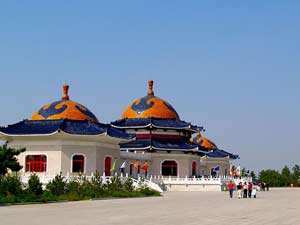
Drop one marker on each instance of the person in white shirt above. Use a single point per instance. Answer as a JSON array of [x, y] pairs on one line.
[[254, 190]]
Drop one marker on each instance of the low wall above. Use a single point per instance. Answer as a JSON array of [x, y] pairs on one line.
[[192, 187], [194, 184]]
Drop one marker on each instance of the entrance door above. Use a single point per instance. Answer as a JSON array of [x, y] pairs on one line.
[[107, 166]]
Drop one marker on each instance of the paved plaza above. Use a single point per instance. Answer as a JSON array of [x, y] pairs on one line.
[[278, 206]]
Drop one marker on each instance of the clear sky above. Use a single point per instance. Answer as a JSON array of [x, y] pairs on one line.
[[230, 66]]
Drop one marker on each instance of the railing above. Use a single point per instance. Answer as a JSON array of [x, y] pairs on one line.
[[155, 182], [197, 180], [137, 183]]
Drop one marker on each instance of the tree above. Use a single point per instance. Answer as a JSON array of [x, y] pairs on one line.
[[252, 174], [272, 177], [8, 159], [286, 177], [34, 185], [296, 175], [57, 186], [243, 172]]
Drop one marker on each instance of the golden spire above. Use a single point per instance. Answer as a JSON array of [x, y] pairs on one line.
[[65, 95], [150, 90]]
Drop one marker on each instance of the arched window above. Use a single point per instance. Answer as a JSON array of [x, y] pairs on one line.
[[169, 168], [78, 164], [194, 168], [107, 166], [36, 163]]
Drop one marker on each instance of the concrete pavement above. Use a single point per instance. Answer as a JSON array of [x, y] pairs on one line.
[[278, 206]]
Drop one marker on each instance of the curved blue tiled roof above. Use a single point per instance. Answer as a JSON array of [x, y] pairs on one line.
[[221, 154], [76, 127], [155, 122], [162, 144]]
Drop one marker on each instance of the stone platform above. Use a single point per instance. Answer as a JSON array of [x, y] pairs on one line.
[[278, 206]]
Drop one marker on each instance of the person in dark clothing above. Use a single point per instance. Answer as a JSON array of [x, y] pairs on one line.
[[263, 186], [267, 186], [245, 187]]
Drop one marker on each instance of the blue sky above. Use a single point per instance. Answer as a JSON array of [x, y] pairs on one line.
[[230, 66]]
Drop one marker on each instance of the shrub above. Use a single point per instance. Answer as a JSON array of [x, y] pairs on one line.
[[34, 185], [57, 186], [73, 186], [115, 184], [147, 192], [97, 185], [86, 189], [10, 185], [128, 185]]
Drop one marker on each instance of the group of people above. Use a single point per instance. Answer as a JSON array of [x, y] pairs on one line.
[[246, 190]]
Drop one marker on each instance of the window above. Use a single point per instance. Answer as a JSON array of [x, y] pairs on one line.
[[139, 169], [225, 172], [194, 168], [169, 168], [78, 164], [35, 163], [107, 166]]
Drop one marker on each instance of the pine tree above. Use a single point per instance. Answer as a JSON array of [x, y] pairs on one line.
[[286, 177], [252, 174], [243, 172], [8, 159], [296, 175]]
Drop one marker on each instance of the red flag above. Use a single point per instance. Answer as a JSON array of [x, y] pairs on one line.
[[144, 167]]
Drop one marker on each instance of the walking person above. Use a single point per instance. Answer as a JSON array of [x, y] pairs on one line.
[[239, 189], [245, 188], [254, 190], [230, 188], [267, 186], [263, 186], [250, 187]]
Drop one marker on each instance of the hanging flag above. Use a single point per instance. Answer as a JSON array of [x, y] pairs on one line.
[[123, 165], [145, 166], [113, 166], [217, 169], [238, 171], [136, 165]]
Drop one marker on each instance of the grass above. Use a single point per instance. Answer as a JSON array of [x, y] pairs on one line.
[[72, 196]]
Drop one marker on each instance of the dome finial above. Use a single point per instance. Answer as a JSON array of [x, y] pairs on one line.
[[150, 90], [65, 95]]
